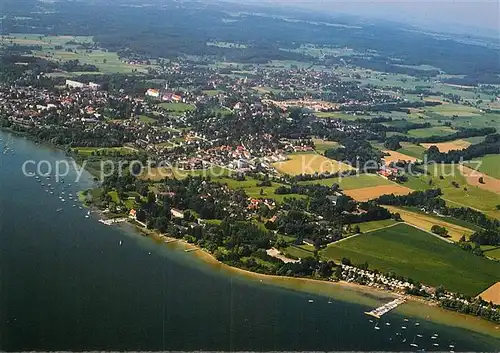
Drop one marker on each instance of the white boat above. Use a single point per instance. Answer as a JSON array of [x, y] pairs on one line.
[[413, 344], [403, 327], [451, 346], [387, 324], [311, 301], [419, 335], [406, 320], [120, 242], [417, 324], [436, 344]]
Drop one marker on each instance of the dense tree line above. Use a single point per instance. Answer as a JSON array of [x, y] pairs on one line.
[[491, 145]]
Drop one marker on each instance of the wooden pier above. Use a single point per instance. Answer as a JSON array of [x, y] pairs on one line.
[[385, 308]]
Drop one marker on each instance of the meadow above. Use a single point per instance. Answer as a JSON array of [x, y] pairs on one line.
[[431, 131], [489, 165], [374, 225], [425, 221], [413, 253], [309, 163], [322, 145], [351, 182], [464, 195], [177, 107], [370, 193]]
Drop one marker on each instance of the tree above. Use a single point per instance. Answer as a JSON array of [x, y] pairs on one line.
[[481, 180], [441, 231], [356, 229]]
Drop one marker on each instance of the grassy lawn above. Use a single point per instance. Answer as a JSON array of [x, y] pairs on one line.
[[114, 197], [431, 131], [146, 119], [177, 107], [410, 252], [474, 196], [297, 252], [490, 165], [309, 163], [352, 182], [322, 145], [211, 92], [373, 225]]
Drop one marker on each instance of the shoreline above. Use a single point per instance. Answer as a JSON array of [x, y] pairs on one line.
[[342, 291]]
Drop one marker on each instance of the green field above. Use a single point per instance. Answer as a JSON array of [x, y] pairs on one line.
[[431, 131], [146, 119], [412, 150], [87, 151], [474, 196], [107, 62], [373, 225], [322, 145], [252, 190], [421, 256], [455, 109], [337, 115], [491, 251], [351, 182], [177, 107], [490, 165]]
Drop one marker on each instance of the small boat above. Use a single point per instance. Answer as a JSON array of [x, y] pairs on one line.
[[311, 301], [52, 192], [413, 344], [329, 302], [63, 200], [404, 340], [417, 324], [403, 327], [419, 335], [377, 327], [59, 210], [87, 216], [436, 344], [121, 242], [387, 324], [451, 346], [436, 335], [433, 337], [406, 319]]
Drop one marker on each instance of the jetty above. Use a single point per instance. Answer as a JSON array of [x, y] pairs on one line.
[[385, 308], [112, 221]]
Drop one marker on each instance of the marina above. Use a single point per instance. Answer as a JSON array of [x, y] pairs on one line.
[[386, 308]]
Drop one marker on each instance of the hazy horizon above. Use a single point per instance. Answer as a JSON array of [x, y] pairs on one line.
[[479, 17]]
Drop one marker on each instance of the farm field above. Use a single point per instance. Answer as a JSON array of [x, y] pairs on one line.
[[448, 146], [492, 294], [336, 115], [309, 163], [451, 109], [426, 222], [107, 62], [412, 150], [491, 251], [431, 131], [473, 196], [490, 165], [394, 156], [146, 119], [374, 225], [488, 183], [252, 190], [370, 193], [351, 182], [413, 253]]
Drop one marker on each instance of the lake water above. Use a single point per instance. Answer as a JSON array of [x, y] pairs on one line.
[[66, 283]]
